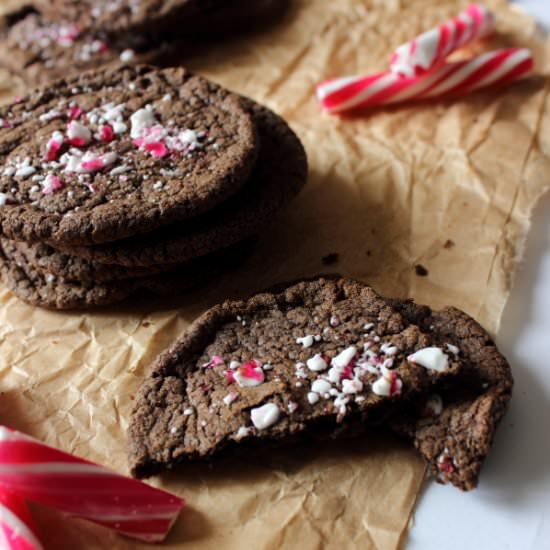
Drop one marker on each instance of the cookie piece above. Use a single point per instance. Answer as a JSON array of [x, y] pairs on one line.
[[40, 50], [67, 268], [454, 429], [46, 290], [280, 366], [279, 175], [119, 152]]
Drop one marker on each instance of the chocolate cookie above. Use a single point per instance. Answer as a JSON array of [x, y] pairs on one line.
[[156, 18], [39, 288], [67, 268], [454, 429], [309, 360], [278, 176], [116, 153], [40, 50]]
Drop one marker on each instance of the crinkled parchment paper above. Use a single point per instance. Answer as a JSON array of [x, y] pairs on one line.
[[449, 185]]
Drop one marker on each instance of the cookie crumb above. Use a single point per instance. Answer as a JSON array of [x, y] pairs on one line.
[[421, 271], [449, 244]]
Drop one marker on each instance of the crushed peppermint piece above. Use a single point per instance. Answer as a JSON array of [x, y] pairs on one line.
[[388, 385], [25, 171], [78, 134], [140, 121], [265, 416], [9, 171], [292, 406], [321, 386], [312, 397], [334, 321], [51, 184], [215, 361], [243, 431], [119, 170], [230, 397], [234, 365], [317, 363], [343, 359], [388, 349], [49, 115], [249, 374], [106, 133], [127, 55], [453, 349], [188, 412], [4, 199], [267, 366], [119, 127], [431, 358], [368, 326], [306, 341], [352, 386]]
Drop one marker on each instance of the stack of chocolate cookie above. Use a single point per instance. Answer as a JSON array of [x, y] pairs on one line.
[[120, 180], [49, 39]]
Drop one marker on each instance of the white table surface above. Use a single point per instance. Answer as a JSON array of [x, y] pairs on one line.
[[511, 507]]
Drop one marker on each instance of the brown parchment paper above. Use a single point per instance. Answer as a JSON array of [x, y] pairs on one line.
[[449, 185]]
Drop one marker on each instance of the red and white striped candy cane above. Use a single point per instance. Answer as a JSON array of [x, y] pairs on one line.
[[432, 47], [82, 489], [492, 68], [16, 528]]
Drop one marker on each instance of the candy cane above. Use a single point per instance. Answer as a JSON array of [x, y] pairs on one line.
[[432, 47], [16, 529], [492, 68], [82, 489]]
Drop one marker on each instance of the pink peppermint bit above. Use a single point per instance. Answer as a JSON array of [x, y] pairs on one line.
[[52, 184], [157, 149], [230, 376], [107, 134], [249, 374], [52, 151], [445, 464], [75, 113], [215, 361], [395, 384], [93, 165]]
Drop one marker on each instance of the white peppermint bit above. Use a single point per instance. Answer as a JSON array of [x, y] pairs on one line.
[[352, 386], [78, 131], [25, 171], [229, 398], [119, 127], [292, 406], [141, 120], [453, 349], [306, 341], [312, 397], [317, 363], [188, 412], [265, 416], [321, 386], [343, 358], [430, 358], [382, 387], [3, 199], [234, 365], [127, 55], [243, 431]]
